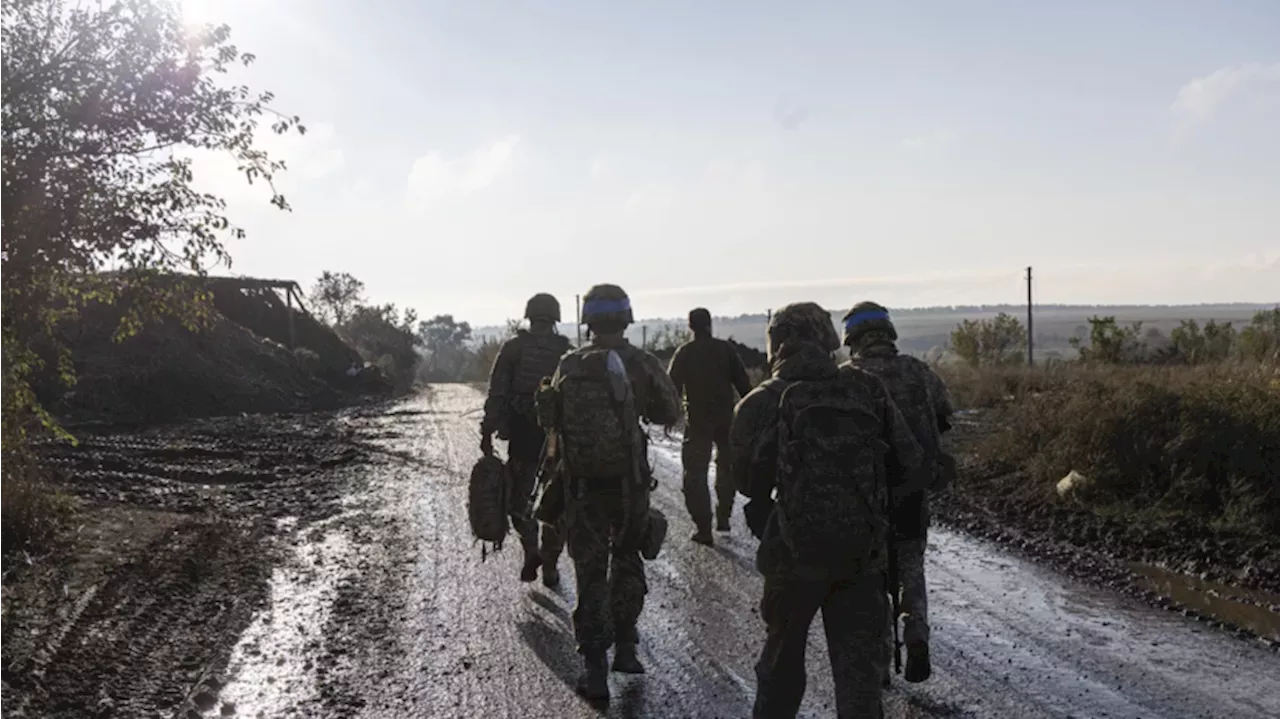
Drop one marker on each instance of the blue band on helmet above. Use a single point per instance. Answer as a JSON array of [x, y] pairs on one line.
[[867, 316], [600, 307]]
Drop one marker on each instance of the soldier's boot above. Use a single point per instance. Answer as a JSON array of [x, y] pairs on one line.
[[593, 683], [722, 521], [918, 668], [532, 560], [550, 576], [625, 659], [703, 536]]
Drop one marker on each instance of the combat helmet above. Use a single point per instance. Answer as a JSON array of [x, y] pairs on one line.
[[542, 306], [606, 304], [865, 319], [803, 321]]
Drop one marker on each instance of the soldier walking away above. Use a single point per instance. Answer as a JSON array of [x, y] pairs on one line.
[[925, 404], [707, 371], [833, 445], [602, 391], [509, 412]]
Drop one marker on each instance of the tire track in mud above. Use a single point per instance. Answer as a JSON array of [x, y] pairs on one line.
[[156, 632]]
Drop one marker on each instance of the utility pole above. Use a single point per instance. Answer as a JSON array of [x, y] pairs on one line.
[[1030, 333], [577, 325], [644, 337], [768, 317]]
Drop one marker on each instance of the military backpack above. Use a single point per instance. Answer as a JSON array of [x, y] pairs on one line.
[[597, 414], [833, 501]]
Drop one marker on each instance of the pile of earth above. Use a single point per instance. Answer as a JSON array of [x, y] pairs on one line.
[[238, 362]]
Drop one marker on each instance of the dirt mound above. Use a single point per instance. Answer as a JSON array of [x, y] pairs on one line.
[[260, 310], [168, 372]]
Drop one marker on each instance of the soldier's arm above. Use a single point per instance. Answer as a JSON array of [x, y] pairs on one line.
[[738, 372], [665, 407], [908, 472], [676, 370], [753, 443], [500, 377], [943, 409]]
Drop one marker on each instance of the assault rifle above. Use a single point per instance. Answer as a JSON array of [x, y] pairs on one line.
[[895, 609]]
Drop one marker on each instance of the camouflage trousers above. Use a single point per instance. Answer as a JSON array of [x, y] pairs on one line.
[[609, 572], [535, 537], [855, 616], [695, 455], [913, 597]]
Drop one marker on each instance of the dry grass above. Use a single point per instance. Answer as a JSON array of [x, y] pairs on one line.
[[1201, 443], [35, 516]]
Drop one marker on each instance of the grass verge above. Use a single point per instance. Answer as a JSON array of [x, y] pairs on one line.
[[35, 516]]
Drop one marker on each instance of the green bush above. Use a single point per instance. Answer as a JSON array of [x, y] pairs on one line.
[[34, 516], [1172, 441]]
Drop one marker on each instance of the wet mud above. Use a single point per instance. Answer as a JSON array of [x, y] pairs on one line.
[[1222, 582], [353, 589]]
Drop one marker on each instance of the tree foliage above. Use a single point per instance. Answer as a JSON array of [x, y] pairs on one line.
[[1110, 343], [103, 104], [384, 335], [336, 296], [1001, 340], [1214, 343], [445, 341], [667, 338], [1260, 341]]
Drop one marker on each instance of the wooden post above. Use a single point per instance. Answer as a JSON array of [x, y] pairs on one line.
[[644, 337], [1030, 334], [288, 303]]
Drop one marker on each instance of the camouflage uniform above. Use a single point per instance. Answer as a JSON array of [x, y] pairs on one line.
[[853, 600], [925, 404], [707, 371], [607, 565], [521, 364]]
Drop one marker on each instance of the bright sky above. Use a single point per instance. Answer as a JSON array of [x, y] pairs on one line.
[[738, 155]]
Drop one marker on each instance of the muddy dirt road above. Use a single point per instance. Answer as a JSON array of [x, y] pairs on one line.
[[381, 607]]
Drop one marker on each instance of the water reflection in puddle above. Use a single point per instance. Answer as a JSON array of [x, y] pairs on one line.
[[1216, 600], [270, 673]]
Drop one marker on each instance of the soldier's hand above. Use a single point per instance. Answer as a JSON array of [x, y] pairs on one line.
[[486, 443]]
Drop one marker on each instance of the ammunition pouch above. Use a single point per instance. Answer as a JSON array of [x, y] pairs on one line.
[[655, 533]]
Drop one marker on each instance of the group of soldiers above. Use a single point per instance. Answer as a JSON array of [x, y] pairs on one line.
[[835, 460]]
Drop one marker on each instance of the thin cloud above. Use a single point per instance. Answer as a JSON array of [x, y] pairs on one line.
[[936, 138], [830, 282], [308, 158], [1200, 99], [433, 177]]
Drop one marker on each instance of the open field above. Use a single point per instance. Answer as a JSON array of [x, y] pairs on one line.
[[922, 330]]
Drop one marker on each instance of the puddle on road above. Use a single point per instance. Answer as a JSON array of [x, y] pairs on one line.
[[1213, 599], [270, 668]]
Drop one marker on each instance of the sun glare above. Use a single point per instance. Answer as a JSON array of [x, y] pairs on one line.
[[198, 13]]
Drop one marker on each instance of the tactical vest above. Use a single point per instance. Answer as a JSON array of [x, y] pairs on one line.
[[539, 356]]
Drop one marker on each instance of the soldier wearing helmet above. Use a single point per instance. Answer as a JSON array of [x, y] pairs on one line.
[[521, 364], [832, 484], [605, 388], [925, 404]]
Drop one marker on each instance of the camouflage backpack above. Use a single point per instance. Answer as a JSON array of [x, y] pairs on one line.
[[833, 497], [597, 416], [487, 501]]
